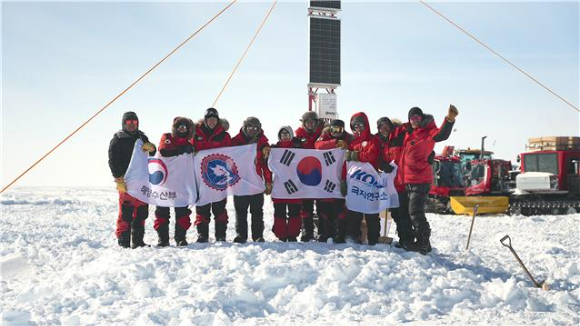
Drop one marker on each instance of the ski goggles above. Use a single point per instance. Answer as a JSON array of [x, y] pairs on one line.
[[336, 129], [416, 118], [358, 125], [182, 127], [131, 121], [252, 128]]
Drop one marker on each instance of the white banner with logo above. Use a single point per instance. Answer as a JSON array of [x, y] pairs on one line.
[[306, 173], [368, 191], [227, 171], [161, 181]]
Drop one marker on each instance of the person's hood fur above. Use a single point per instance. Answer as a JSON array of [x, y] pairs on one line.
[[180, 120]]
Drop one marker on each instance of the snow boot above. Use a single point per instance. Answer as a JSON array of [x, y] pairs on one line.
[[240, 239], [220, 231], [423, 244], [137, 237], [202, 233], [125, 239], [163, 234], [307, 229], [260, 239], [180, 235]]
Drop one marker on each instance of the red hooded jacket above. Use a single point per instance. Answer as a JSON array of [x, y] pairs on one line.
[[261, 165], [206, 138], [392, 150], [367, 145], [170, 143], [417, 147], [308, 139]]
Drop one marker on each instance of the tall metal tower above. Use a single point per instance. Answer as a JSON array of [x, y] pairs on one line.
[[324, 57]]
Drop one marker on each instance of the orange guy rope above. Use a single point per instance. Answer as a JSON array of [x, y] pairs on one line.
[[500, 56], [120, 94], [245, 52]]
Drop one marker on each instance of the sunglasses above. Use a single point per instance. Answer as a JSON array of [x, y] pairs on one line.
[[252, 128], [336, 129], [182, 127], [131, 121], [359, 125], [416, 118]]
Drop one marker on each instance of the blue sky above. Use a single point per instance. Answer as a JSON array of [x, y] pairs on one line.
[[61, 62]]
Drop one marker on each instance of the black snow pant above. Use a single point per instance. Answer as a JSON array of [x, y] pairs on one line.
[[332, 214], [417, 199], [182, 223], [402, 219], [373, 225], [202, 219], [255, 203]]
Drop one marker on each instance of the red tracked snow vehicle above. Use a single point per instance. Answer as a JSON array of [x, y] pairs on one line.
[[549, 183], [448, 181]]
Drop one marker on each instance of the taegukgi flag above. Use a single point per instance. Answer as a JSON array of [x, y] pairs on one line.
[[306, 173], [227, 171], [368, 191], [161, 181]]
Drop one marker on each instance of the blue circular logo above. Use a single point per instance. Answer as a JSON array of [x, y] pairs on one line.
[[219, 171]]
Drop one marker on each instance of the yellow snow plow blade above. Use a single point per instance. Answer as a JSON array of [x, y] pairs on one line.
[[487, 204]]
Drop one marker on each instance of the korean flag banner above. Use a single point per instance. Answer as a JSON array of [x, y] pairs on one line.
[[161, 181], [368, 191], [306, 173], [227, 171]]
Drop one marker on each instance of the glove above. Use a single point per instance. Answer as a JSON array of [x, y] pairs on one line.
[[452, 113], [184, 149], [121, 184], [268, 190], [351, 156], [342, 144], [343, 188], [266, 152], [386, 167], [148, 147]]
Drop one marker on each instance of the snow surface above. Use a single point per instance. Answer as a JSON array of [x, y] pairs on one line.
[[61, 265]]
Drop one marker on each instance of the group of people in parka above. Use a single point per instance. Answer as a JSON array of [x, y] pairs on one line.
[[409, 145]]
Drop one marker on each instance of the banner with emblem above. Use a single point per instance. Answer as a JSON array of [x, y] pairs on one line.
[[227, 171], [161, 181], [368, 191], [306, 173]]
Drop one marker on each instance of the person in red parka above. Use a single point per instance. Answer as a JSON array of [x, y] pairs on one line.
[[391, 138], [251, 133], [417, 172], [210, 133], [333, 136], [287, 221], [308, 133], [178, 142], [365, 147]]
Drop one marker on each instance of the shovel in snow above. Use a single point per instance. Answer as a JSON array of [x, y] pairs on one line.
[[475, 209], [542, 284]]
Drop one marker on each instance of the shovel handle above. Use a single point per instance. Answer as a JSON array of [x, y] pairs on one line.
[[509, 244]]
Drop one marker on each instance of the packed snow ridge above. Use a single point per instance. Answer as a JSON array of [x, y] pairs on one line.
[[61, 265]]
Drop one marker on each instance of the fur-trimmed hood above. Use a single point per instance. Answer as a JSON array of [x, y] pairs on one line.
[[182, 120]]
